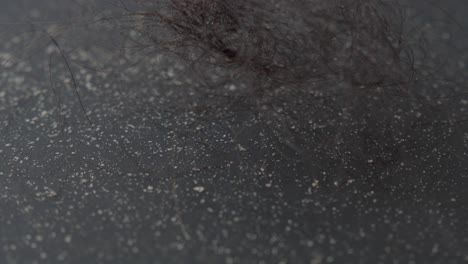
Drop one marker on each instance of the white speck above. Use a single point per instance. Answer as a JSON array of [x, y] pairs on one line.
[[149, 188], [315, 183], [241, 148], [199, 189], [232, 87]]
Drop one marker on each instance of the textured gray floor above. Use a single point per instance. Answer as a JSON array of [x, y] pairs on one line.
[[146, 182]]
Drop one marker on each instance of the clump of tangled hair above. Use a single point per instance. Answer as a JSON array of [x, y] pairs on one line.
[[355, 45]]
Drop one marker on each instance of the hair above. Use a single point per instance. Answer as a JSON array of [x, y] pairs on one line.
[[361, 44]]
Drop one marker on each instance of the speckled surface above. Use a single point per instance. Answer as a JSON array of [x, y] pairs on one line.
[[149, 180]]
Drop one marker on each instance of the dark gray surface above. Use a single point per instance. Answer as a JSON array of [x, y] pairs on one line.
[[151, 180]]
